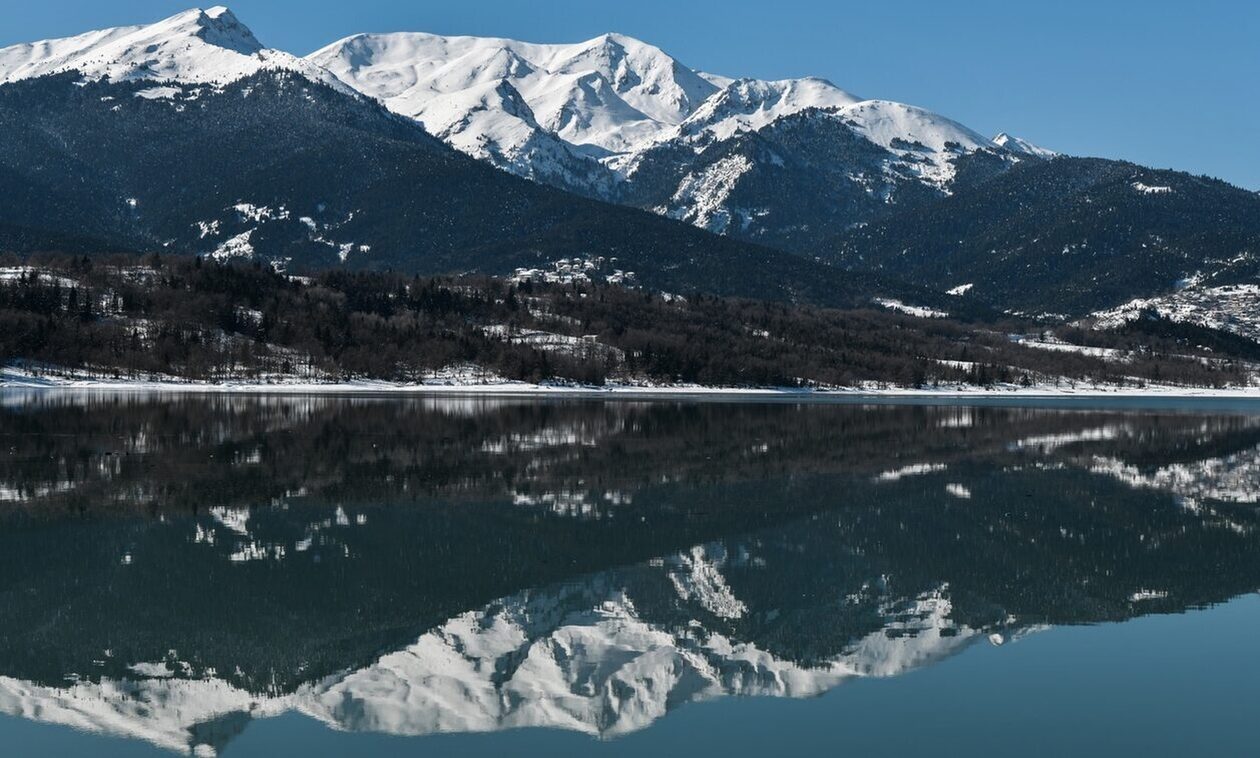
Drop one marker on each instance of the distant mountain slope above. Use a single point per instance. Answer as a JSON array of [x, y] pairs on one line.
[[190, 136], [281, 169], [806, 167], [1069, 236], [807, 177]]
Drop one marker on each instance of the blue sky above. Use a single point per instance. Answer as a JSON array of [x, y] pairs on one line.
[[1167, 84]]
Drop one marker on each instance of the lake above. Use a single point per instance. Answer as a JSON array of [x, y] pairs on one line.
[[387, 576]]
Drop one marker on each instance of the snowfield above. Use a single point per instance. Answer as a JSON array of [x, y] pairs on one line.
[[612, 93]]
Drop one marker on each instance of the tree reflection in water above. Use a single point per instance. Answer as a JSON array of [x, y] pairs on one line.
[[171, 568]]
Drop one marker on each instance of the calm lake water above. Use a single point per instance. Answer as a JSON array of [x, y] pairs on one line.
[[318, 576]]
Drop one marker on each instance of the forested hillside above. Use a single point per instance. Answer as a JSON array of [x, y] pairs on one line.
[[1068, 236], [196, 319]]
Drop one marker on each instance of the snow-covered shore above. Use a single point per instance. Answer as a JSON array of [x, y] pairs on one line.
[[21, 379]]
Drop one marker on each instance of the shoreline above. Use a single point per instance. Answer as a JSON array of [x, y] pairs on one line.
[[14, 381]]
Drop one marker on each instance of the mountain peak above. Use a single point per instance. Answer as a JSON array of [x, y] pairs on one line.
[[607, 94], [617, 39], [218, 26], [195, 46], [1022, 146]]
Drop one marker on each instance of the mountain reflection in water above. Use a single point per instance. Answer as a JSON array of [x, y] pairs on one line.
[[171, 569]]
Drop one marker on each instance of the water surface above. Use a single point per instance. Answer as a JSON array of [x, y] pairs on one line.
[[395, 576]]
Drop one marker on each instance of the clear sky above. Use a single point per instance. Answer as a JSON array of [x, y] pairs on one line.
[[1166, 83]]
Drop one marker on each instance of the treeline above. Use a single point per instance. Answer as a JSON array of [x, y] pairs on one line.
[[198, 319]]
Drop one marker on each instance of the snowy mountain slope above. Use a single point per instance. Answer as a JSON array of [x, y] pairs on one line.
[[492, 122], [194, 47], [910, 131], [748, 105], [611, 97], [587, 117], [606, 95], [810, 176], [620, 120]]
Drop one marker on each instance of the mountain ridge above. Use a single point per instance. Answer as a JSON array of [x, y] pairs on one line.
[[196, 46], [583, 117], [604, 108]]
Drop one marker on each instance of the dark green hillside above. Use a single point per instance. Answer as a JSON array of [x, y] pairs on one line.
[[1070, 236]]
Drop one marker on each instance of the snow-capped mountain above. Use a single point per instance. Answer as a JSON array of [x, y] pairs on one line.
[[800, 165], [590, 116], [194, 47], [612, 118], [546, 112], [608, 95], [493, 122], [248, 153]]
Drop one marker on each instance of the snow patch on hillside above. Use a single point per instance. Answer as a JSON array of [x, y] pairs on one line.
[[1232, 308], [701, 197], [698, 577], [1147, 189], [235, 247], [910, 310]]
